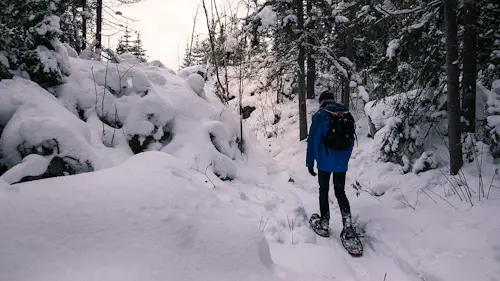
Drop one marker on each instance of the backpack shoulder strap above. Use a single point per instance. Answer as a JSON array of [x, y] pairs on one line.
[[326, 110]]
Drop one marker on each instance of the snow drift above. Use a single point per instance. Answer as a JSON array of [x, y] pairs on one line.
[[150, 218]]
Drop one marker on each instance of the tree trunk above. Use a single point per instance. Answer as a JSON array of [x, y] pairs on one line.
[[311, 62], [84, 25], [98, 32], [347, 81], [76, 33], [301, 74], [453, 87], [469, 67]]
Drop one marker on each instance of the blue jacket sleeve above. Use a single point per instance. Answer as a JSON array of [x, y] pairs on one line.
[[310, 142]]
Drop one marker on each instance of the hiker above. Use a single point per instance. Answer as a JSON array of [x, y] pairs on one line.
[[330, 143]]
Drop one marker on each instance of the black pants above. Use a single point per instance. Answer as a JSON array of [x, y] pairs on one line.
[[339, 188]]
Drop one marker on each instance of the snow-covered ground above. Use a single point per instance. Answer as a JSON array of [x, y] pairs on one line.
[[195, 208]]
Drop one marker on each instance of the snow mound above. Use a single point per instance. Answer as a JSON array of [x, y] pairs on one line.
[[129, 58], [154, 222], [71, 52], [105, 113], [188, 71], [197, 83], [35, 123]]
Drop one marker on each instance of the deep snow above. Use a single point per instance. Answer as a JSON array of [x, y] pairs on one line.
[[150, 218]]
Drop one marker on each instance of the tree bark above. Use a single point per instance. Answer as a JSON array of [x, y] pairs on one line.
[[75, 41], [84, 25], [98, 32], [469, 67], [311, 62], [301, 74], [349, 54], [454, 126]]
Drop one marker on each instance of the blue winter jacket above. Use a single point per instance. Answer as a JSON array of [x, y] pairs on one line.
[[333, 161]]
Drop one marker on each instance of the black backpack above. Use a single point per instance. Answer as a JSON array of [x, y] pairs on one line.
[[341, 131]]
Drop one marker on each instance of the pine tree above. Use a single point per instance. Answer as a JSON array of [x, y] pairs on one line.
[[194, 53], [137, 49], [30, 40], [187, 60], [198, 55], [124, 43]]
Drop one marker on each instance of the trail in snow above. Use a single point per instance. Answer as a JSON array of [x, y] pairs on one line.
[[328, 258]]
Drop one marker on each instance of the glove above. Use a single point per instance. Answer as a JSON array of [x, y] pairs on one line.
[[311, 171]]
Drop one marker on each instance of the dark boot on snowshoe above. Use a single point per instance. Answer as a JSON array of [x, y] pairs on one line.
[[350, 239], [320, 225]]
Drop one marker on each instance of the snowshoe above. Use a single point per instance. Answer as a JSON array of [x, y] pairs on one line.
[[319, 225], [351, 242]]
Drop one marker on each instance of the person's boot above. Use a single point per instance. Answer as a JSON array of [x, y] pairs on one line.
[[348, 231], [320, 225], [324, 225]]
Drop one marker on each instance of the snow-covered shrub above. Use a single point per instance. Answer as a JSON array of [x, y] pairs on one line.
[[426, 162], [406, 122], [35, 123], [30, 41], [148, 124], [123, 80], [493, 118], [221, 140]]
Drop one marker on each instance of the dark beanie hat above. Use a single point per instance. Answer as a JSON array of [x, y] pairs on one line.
[[326, 95]]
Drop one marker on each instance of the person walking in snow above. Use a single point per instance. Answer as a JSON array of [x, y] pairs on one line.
[[330, 144]]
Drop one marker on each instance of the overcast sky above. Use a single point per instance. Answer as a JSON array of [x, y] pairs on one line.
[[165, 27]]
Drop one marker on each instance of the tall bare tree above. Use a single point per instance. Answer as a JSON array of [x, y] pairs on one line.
[[346, 93], [84, 24], [311, 62], [301, 75], [98, 31], [453, 87]]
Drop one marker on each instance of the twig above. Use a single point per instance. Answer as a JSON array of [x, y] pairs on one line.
[[263, 228], [291, 226], [442, 198], [428, 195], [491, 183], [405, 201], [204, 172]]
